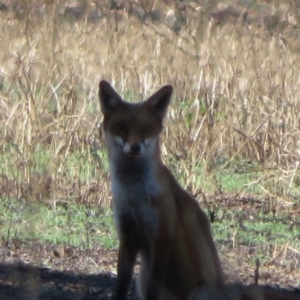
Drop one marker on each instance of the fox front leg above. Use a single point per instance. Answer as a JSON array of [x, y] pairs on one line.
[[126, 259]]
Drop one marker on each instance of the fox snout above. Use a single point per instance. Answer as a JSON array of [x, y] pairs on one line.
[[135, 150], [130, 149]]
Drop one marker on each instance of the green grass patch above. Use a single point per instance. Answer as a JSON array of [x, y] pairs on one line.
[[69, 224], [255, 230]]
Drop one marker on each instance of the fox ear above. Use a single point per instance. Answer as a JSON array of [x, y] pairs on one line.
[[160, 100], [109, 98]]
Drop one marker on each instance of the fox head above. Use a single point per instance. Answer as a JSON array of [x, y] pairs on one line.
[[131, 129]]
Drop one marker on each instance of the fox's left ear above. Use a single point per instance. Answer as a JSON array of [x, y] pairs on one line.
[[109, 98], [160, 100]]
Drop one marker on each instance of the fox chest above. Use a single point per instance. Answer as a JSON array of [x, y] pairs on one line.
[[133, 207]]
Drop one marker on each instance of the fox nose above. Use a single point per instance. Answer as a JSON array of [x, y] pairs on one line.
[[135, 149]]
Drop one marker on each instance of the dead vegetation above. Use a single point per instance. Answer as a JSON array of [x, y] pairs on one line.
[[236, 105], [236, 84]]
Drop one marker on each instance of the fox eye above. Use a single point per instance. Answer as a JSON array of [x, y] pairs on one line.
[[121, 127]]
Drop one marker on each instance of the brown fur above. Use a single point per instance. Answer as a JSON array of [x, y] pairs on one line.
[[155, 217]]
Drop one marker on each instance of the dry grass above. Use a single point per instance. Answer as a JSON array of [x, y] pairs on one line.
[[235, 111], [236, 98]]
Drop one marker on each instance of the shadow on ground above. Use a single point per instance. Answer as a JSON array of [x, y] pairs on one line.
[[19, 281]]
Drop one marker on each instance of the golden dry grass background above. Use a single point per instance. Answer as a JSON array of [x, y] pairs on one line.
[[234, 68], [234, 116]]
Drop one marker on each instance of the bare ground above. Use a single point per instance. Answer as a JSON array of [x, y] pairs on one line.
[[75, 277], [35, 270]]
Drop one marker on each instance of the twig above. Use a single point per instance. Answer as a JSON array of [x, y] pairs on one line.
[[256, 272]]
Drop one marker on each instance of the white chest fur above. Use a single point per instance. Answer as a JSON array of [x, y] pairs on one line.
[[133, 190]]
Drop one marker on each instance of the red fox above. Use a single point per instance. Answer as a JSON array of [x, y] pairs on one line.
[[155, 217]]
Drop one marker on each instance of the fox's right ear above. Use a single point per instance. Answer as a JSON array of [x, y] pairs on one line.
[[109, 98]]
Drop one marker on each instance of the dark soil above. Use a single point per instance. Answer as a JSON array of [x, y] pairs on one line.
[[87, 275], [73, 274]]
